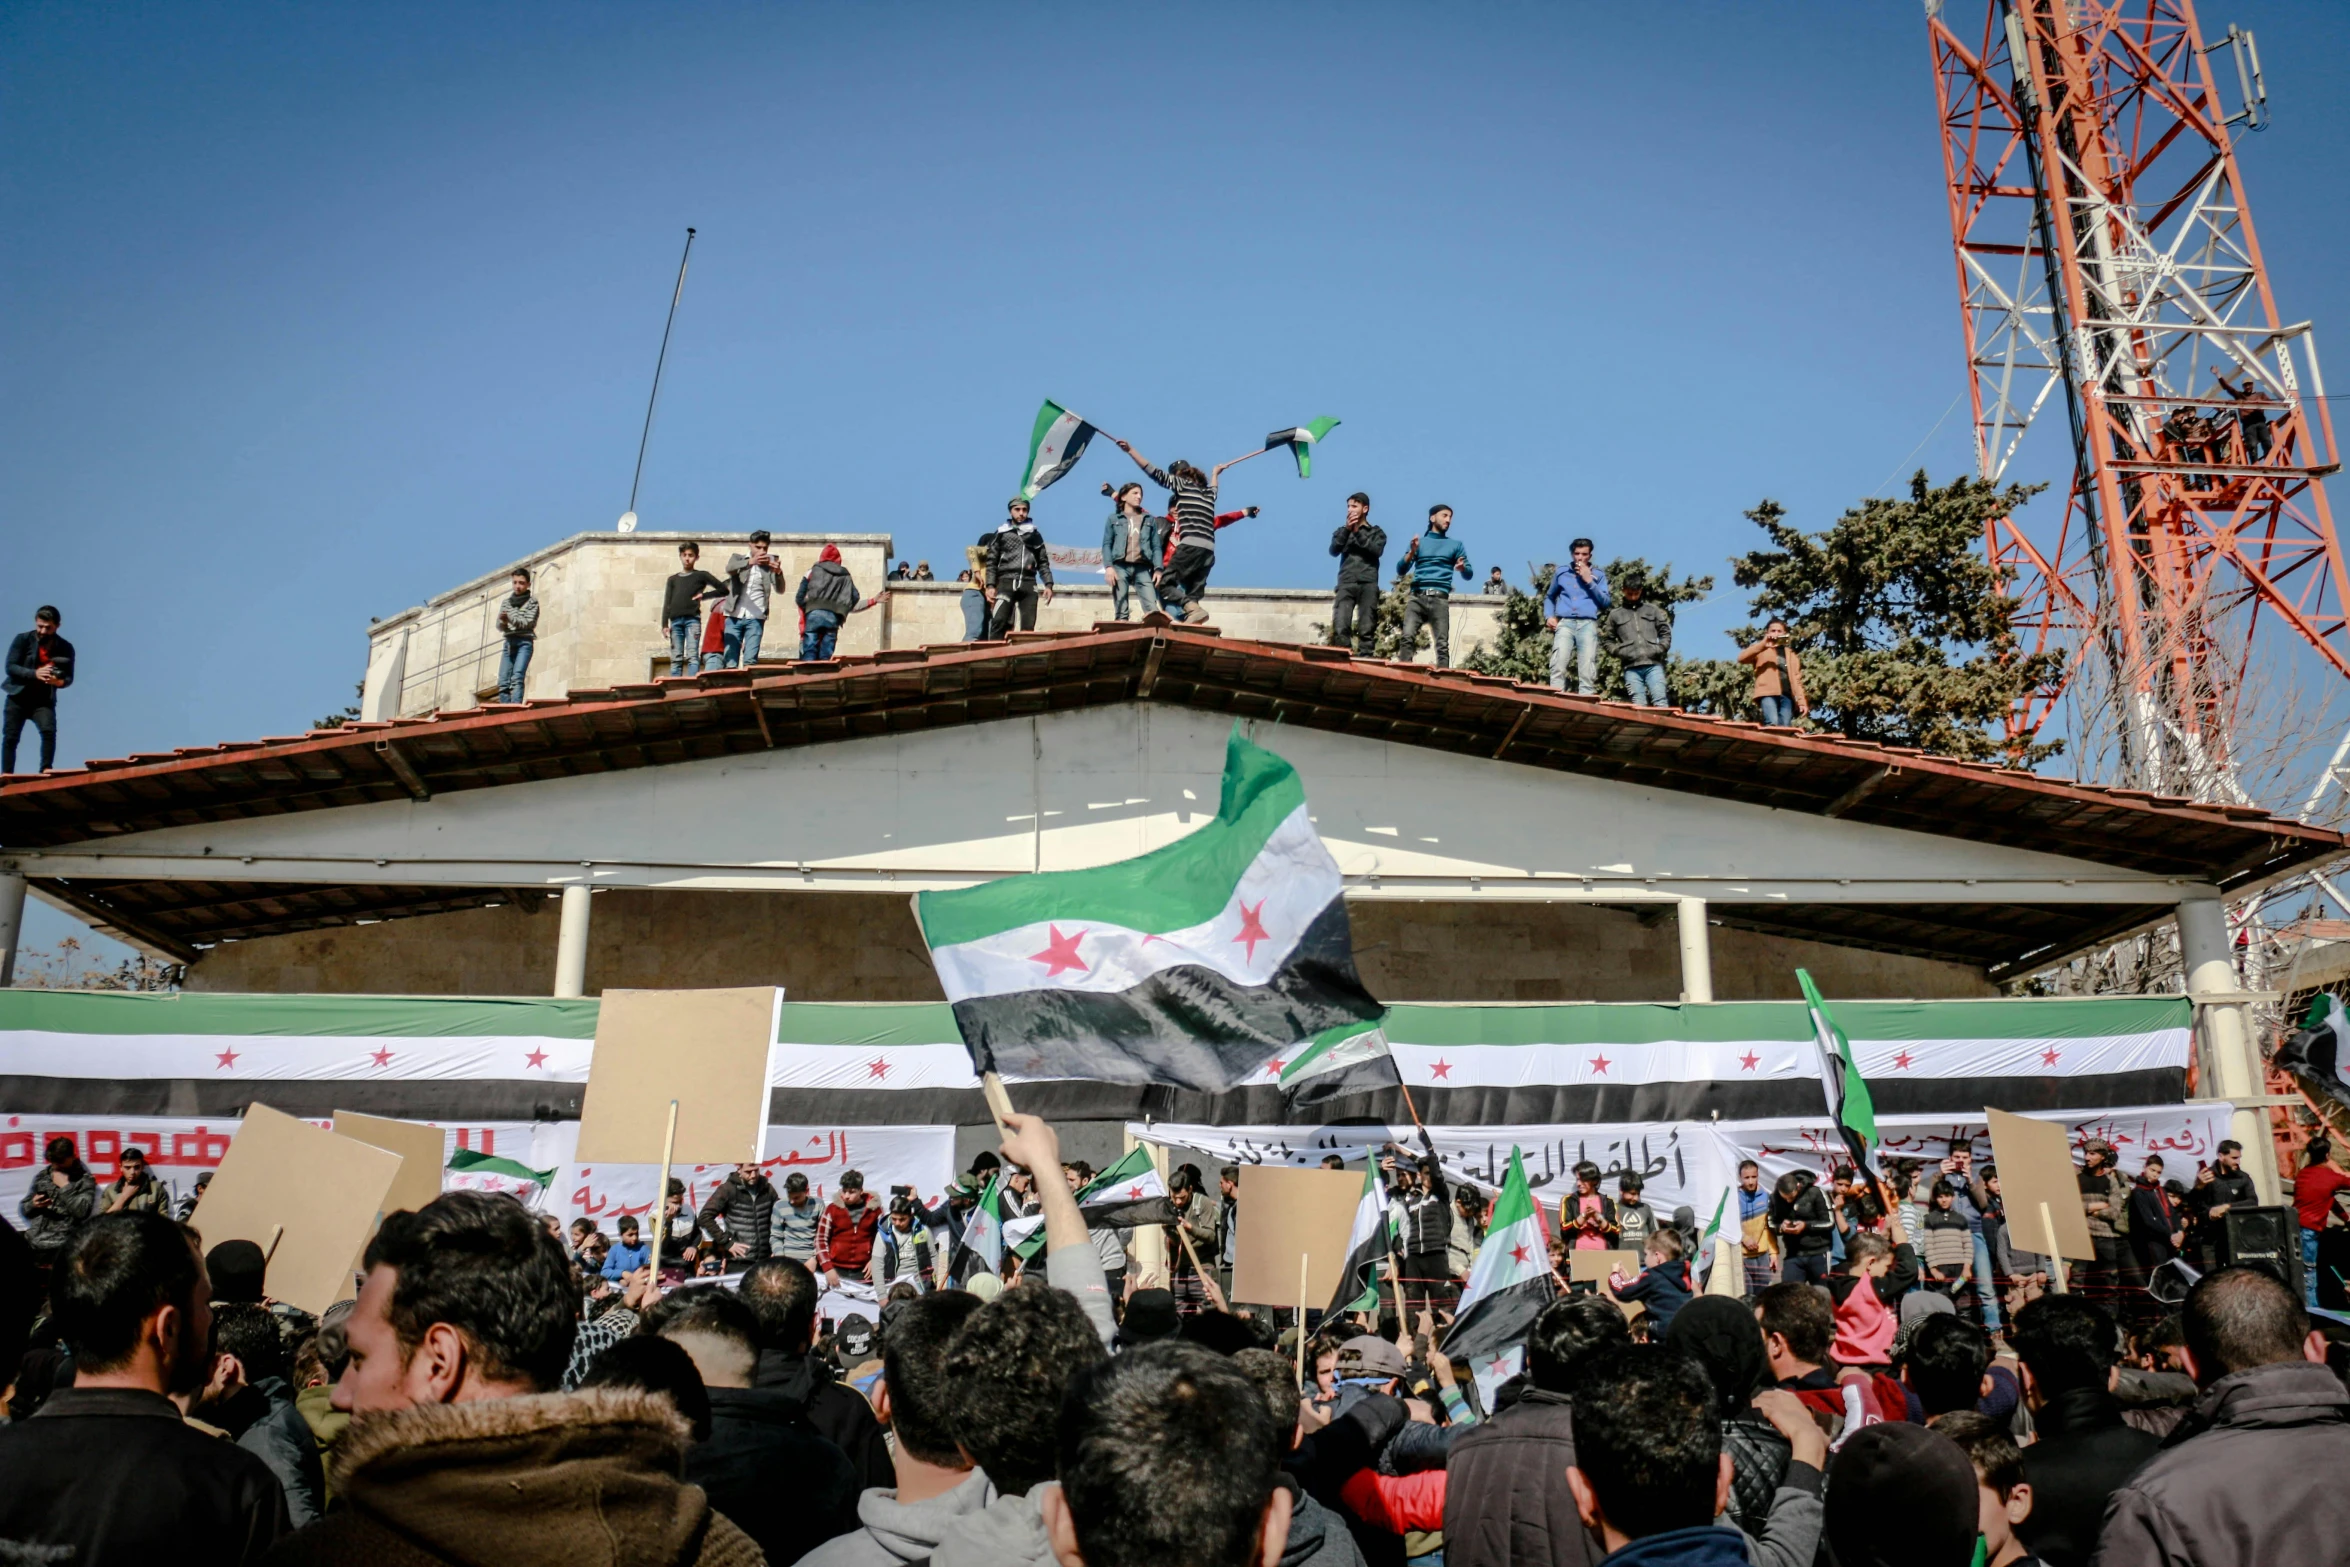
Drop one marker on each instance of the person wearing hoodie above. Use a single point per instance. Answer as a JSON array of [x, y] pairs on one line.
[[827, 597], [1664, 1286], [518, 623], [1318, 1537], [1571, 608], [937, 1485], [457, 1453], [1650, 1476], [2253, 1476], [1636, 1221], [1189, 1424], [782, 1295], [2085, 1450]]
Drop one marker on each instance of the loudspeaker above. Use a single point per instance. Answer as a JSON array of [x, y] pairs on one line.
[[2266, 1237]]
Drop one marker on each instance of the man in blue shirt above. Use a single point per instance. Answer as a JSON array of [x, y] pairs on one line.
[[1571, 609], [1433, 559]]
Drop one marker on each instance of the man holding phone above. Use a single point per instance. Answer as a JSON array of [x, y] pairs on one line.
[[1577, 597]]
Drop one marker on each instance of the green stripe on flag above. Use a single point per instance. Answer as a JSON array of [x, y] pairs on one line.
[[1187, 883], [466, 1161]]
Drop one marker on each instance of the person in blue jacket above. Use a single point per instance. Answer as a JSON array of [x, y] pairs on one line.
[[1433, 559], [1572, 608]]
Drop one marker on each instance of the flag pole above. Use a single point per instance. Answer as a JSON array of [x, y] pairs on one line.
[[999, 1103], [1301, 1321], [661, 1193], [1205, 1277]]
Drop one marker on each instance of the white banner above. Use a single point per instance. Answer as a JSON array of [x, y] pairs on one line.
[[2184, 1135], [1678, 1161]]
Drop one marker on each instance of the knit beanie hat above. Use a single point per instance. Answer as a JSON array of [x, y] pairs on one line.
[[1900, 1495]]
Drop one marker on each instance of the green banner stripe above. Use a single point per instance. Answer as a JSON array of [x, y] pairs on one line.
[[1186, 883], [1640, 1023], [199, 1012]]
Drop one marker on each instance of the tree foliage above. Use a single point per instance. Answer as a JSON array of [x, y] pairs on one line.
[[1521, 649], [1906, 631]]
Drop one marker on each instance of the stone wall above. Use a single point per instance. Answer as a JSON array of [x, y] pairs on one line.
[[864, 947], [600, 606]]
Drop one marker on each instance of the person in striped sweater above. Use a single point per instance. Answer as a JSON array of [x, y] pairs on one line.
[[1192, 506]]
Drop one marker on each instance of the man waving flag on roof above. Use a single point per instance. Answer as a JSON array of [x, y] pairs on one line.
[[1216, 962]]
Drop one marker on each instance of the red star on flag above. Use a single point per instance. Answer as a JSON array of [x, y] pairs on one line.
[[1517, 1253], [1747, 1061], [1599, 1064], [2048, 1057], [1060, 953], [1252, 928], [380, 1057], [877, 1067], [1273, 1068], [1441, 1068], [227, 1058], [1134, 1192], [1902, 1060], [536, 1058]]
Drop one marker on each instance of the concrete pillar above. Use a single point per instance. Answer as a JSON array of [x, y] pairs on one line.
[[11, 924], [571, 942], [2230, 1061], [1697, 953]]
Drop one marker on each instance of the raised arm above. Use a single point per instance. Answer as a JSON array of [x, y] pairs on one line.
[[1145, 464]]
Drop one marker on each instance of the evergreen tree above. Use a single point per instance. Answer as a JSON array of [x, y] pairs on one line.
[[1906, 631]]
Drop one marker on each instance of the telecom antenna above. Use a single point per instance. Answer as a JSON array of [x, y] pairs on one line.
[[627, 523]]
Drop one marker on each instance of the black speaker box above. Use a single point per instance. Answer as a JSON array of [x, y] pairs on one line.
[[2266, 1237]]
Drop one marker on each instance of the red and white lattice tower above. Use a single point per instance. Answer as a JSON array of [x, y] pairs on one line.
[[2107, 268]]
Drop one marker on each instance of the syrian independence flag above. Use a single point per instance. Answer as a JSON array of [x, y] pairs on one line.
[[1366, 1243], [1352, 1058], [1849, 1104], [1058, 440], [1729, 1267], [467, 1161], [1124, 1196], [983, 1232], [2318, 1054], [1207, 964], [1300, 442], [1510, 1282]]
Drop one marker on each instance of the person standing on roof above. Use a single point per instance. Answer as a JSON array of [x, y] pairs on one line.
[[518, 621], [1577, 597], [1130, 551], [1192, 509], [1640, 634], [1018, 570], [1433, 559], [40, 664], [1358, 543], [1778, 676], [827, 596], [755, 576]]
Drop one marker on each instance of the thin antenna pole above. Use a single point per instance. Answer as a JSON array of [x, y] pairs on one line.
[[654, 401]]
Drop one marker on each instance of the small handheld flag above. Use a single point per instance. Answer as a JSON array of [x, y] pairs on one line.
[[467, 1161], [983, 1232], [1849, 1104], [1366, 1243], [1124, 1196], [1054, 446], [1300, 442], [1352, 1058]]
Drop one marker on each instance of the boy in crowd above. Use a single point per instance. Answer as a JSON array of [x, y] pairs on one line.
[[791, 1229], [682, 598], [1635, 1220], [1433, 560], [844, 1236], [1650, 1476], [2003, 1494], [1571, 608], [135, 1189], [1663, 1287], [628, 1252], [518, 621]]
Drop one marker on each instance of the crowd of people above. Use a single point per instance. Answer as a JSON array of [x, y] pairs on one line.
[[496, 1391]]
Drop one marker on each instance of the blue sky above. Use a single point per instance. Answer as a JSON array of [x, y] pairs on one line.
[[315, 311]]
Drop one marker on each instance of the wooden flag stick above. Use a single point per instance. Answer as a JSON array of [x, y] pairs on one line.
[[661, 1194], [2055, 1261], [1205, 1277], [999, 1103], [1301, 1321]]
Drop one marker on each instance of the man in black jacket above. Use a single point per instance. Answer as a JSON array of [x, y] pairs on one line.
[[2085, 1451], [1424, 1206], [1018, 569], [1358, 543], [782, 1295], [736, 1213], [1506, 1502], [40, 664], [2223, 1186], [107, 1471]]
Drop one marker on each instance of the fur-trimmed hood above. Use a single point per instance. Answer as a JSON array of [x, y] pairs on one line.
[[563, 1479]]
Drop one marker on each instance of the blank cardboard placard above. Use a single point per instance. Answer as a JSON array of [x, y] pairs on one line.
[[2035, 1163], [420, 1148], [1595, 1267], [311, 1194], [709, 1050], [1285, 1213]]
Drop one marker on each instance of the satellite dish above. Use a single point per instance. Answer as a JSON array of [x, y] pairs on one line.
[[627, 522]]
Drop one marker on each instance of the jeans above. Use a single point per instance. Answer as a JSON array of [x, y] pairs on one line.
[[817, 642], [2308, 1262], [742, 643], [1984, 1291], [685, 645], [43, 717], [1779, 710], [1356, 610], [1575, 642], [974, 614], [1646, 682], [1433, 610], [1811, 1268], [1131, 578], [1022, 600], [513, 664]]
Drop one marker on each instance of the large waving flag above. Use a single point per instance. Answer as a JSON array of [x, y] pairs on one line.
[[1207, 964], [1849, 1104], [1124, 1196], [1054, 446], [1509, 1284], [2318, 1054], [1366, 1243], [1301, 441]]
